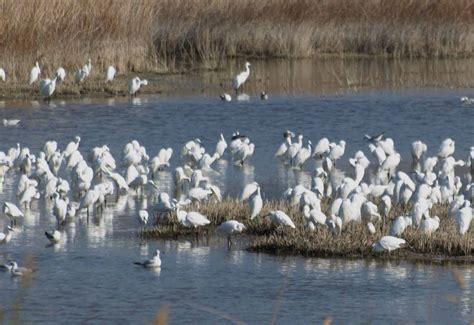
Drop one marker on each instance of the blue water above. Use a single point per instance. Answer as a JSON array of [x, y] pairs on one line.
[[90, 276]]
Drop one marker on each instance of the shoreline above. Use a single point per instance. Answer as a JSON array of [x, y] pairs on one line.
[[291, 77], [445, 245]]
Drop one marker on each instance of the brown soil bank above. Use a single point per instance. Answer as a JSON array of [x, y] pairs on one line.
[[170, 35], [354, 241]]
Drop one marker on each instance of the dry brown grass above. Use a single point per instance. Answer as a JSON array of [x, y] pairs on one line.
[[354, 241], [162, 35]]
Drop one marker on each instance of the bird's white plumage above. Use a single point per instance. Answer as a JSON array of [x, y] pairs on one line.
[[388, 243], [280, 218]]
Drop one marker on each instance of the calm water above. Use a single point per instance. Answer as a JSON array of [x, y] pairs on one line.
[[90, 276]]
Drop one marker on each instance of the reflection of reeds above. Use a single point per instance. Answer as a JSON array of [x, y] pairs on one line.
[[165, 35], [162, 317], [354, 241], [459, 279]]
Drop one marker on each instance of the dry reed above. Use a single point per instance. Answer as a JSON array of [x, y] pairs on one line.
[[168, 35], [354, 241]]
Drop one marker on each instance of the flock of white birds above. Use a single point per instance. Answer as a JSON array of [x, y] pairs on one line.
[[78, 185], [48, 86]]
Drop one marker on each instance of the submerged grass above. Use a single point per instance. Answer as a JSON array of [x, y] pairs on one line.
[[354, 241], [170, 35]]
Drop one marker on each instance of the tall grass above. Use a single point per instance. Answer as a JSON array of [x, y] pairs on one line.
[[162, 35]]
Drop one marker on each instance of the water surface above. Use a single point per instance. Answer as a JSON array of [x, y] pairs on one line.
[[90, 276]]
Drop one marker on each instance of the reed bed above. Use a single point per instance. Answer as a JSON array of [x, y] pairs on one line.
[[354, 241], [175, 35]]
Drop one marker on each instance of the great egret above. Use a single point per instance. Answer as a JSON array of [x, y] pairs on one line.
[[280, 218], [12, 211], [388, 243], [191, 219], [255, 203], [229, 228], [221, 146], [61, 74], [143, 217], [429, 225], [47, 87], [3, 75], [446, 148], [34, 73], [110, 74], [6, 236], [135, 84], [240, 79], [80, 75]]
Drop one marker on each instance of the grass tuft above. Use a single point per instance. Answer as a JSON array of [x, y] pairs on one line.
[[354, 241]]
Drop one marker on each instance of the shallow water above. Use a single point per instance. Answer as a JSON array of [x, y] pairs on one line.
[[90, 276]]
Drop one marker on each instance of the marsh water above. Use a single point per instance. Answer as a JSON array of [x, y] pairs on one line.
[[90, 277]]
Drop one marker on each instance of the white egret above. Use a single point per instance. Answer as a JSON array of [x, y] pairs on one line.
[[463, 218], [192, 218], [385, 205], [87, 68], [165, 204], [240, 79], [110, 74], [280, 218], [229, 228], [143, 217], [3, 75], [388, 243], [369, 212], [80, 75], [337, 151], [135, 84], [244, 152], [293, 150], [301, 157], [6, 236], [399, 225], [47, 87], [248, 190], [61, 74], [255, 203], [34, 74], [288, 135], [321, 148], [370, 228], [429, 225], [221, 146], [72, 146], [12, 211], [314, 215]]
